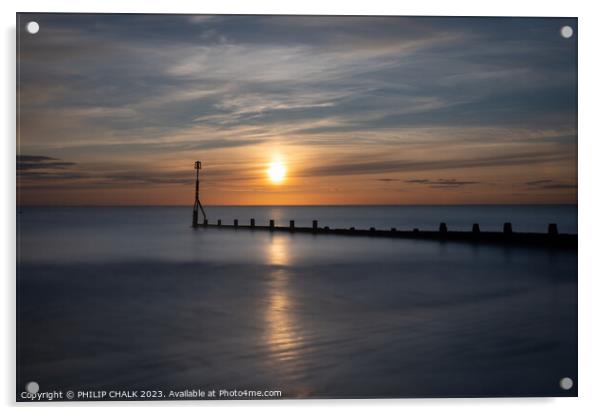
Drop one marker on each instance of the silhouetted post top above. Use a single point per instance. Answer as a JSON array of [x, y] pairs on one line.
[[553, 229], [271, 223], [252, 222], [507, 227], [197, 202], [476, 228], [292, 224], [235, 222], [442, 227], [314, 225], [219, 222]]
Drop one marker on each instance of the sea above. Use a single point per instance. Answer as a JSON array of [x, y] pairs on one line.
[[135, 299]]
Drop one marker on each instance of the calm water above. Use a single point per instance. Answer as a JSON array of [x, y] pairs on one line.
[[135, 298]]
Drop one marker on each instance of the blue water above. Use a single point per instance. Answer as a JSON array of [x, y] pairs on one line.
[[136, 298]]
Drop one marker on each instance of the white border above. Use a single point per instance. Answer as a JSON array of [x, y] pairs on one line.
[[590, 229]]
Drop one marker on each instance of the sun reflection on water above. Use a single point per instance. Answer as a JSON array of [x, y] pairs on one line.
[[278, 250], [282, 327]]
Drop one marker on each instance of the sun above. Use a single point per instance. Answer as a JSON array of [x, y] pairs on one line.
[[276, 172]]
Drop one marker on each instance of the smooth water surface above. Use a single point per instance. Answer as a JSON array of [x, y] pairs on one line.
[[135, 298]]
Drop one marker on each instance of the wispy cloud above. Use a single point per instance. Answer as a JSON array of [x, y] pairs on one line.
[[550, 184], [28, 162], [384, 166], [442, 183], [336, 95]]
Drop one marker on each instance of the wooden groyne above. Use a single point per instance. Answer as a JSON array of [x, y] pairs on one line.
[[506, 237]]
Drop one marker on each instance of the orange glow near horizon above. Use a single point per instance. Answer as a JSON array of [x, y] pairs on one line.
[[307, 175]]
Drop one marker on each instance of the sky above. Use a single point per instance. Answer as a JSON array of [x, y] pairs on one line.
[[115, 109]]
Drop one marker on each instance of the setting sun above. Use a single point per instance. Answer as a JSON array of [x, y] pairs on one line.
[[276, 172]]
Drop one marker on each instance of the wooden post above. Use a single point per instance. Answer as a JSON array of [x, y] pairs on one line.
[[292, 225], [219, 222], [314, 226], [197, 202], [236, 223], [393, 229], [552, 229], [442, 227], [507, 228], [352, 228], [205, 222], [476, 228], [252, 223], [271, 224], [372, 229]]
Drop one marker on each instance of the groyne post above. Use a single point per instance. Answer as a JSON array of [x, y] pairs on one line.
[[506, 236], [197, 202]]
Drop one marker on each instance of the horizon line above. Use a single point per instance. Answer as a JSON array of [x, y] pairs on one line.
[[293, 205]]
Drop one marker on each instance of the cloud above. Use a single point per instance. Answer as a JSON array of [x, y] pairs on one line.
[[400, 72], [378, 95], [28, 178], [29, 162], [550, 184], [384, 166], [36, 171], [442, 183], [203, 18], [24, 158]]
